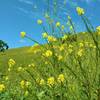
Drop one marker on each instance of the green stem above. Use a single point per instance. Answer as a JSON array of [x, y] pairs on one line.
[[33, 40]]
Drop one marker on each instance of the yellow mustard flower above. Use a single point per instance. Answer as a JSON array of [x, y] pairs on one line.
[[51, 39], [39, 22], [98, 33], [61, 48], [50, 81], [48, 53], [20, 69], [98, 28], [22, 84], [81, 44], [80, 52], [31, 65], [45, 35], [61, 78], [60, 58], [2, 87], [57, 24], [11, 62], [23, 34], [64, 37], [80, 11], [28, 84], [62, 27], [42, 82]]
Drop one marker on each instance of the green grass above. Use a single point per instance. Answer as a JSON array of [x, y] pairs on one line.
[[81, 74]]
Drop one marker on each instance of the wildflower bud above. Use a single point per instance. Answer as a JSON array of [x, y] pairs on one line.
[[2, 87], [58, 24], [61, 78], [80, 11], [45, 35], [39, 22], [23, 34], [51, 81]]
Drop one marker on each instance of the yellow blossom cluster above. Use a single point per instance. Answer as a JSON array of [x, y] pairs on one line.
[[11, 63], [81, 44], [45, 35], [25, 84], [42, 82], [23, 34], [39, 22], [60, 57], [31, 65], [80, 52], [48, 53], [65, 37], [51, 81], [2, 87], [98, 30], [61, 48], [20, 69], [57, 24], [51, 39], [80, 11], [61, 78]]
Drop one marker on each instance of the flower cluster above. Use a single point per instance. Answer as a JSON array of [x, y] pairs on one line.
[[25, 84], [48, 53], [51, 39], [39, 22], [11, 63], [80, 52], [23, 34], [2, 87], [80, 11], [61, 78], [51, 81], [98, 30], [45, 35], [57, 24]]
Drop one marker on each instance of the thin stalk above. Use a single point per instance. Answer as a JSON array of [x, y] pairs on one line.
[[33, 40]]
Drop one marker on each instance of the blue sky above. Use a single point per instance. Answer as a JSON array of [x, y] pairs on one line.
[[22, 15]]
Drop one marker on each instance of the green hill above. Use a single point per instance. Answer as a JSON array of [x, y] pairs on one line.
[[53, 71]]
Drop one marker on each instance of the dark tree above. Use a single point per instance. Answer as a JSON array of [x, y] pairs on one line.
[[3, 46]]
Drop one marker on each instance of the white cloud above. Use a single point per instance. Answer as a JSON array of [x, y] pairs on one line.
[[26, 1], [88, 1], [22, 10], [21, 41]]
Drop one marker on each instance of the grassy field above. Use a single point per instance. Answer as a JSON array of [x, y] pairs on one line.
[[70, 72]]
